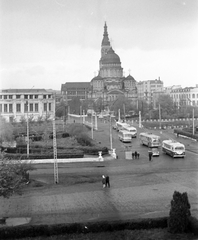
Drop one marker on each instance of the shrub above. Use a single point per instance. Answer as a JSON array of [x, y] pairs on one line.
[[178, 221], [84, 140], [94, 150], [76, 129]]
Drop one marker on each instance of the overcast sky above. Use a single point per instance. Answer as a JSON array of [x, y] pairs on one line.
[[45, 43]]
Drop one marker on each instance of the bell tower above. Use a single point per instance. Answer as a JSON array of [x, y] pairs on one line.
[[105, 46]]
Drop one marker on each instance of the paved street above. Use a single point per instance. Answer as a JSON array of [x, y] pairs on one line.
[[139, 188]]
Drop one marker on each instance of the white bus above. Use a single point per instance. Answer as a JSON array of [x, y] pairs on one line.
[[121, 125], [149, 139], [173, 148], [124, 136], [131, 130]]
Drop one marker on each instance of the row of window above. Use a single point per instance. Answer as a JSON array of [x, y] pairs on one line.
[[26, 96], [184, 95], [32, 107]]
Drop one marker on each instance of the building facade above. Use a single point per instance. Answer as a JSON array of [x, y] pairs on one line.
[[16, 104], [187, 96], [75, 89], [150, 90]]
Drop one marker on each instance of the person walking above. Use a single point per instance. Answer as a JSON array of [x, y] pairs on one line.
[[150, 154], [107, 181], [135, 154], [103, 181]]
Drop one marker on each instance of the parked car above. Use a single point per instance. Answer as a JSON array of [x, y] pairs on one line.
[[155, 152]]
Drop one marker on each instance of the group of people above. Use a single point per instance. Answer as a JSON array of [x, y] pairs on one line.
[[105, 181], [135, 155]]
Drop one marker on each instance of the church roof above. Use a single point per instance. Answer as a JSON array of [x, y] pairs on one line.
[[111, 57], [97, 78], [129, 77]]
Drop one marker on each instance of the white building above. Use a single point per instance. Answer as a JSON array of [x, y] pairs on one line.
[[187, 96], [147, 90], [16, 104]]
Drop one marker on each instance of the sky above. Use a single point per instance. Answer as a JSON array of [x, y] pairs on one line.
[[46, 43]]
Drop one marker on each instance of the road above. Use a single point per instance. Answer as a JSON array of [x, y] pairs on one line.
[[139, 188]]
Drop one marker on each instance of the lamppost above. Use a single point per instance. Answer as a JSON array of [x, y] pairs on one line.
[[55, 144], [28, 138], [110, 133], [160, 118]]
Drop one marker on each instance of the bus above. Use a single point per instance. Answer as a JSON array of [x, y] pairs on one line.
[[131, 130], [173, 148], [124, 136], [121, 125], [149, 139]]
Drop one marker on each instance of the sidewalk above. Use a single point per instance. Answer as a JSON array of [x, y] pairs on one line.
[[117, 202]]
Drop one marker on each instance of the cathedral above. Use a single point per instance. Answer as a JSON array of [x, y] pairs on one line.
[[110, 83]]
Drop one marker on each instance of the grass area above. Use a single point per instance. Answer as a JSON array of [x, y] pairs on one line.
[[151, 234]]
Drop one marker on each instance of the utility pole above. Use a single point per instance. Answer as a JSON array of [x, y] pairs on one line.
[[55, 144], [160, 118], [96, 122], [124, 112], [193, 121], [140, 120], [118, 115], [110, 133], [28, 137], [92, 125]]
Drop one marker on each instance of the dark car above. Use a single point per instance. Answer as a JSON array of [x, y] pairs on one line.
[[155, 152]]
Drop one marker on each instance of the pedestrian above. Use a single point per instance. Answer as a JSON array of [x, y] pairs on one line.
[[103, 181], [135, 154], [107, 181], [150, 154], [138, 155]]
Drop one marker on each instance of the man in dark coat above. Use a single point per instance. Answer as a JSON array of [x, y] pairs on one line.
[[150, 154], [107, 181]]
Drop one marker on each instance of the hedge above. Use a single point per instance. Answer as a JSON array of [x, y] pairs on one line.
[[78, 228], [66, 154], [187, 134]]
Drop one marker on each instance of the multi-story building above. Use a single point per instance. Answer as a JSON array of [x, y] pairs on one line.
[[149, 90], [16, 104], [187, 96], [110, 82], [75, 89]]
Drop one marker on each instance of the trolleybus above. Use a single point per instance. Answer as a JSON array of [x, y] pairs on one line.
[[149, 139], [173, 148], [131, 130], [124, 136]]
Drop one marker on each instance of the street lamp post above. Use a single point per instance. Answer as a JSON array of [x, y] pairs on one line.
[[160, 118], [28, 137], [55, 144], [193, 122], [92, 125], [110, 133], [140, 120]]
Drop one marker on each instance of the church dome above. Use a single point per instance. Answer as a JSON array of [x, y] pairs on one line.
[[129, 77], [111, 57]]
